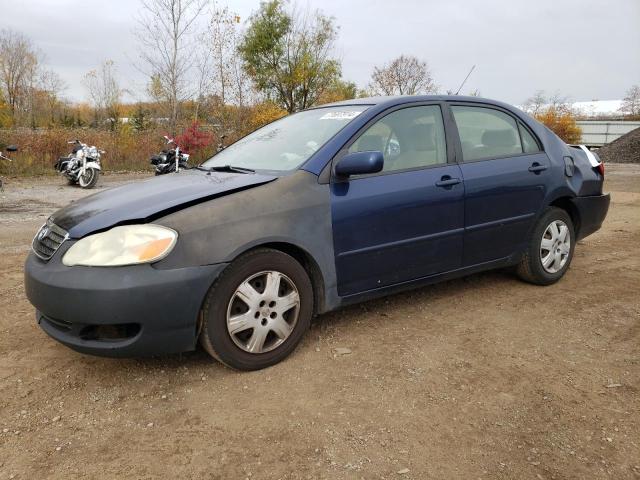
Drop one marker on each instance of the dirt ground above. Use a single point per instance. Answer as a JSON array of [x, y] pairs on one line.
[[482, 377]]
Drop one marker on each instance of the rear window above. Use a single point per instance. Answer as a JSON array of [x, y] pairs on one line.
[[486, 133]]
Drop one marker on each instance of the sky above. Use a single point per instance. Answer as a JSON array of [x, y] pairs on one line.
[[584, 49]]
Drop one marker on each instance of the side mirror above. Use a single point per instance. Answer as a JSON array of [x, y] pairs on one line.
[[360, 163], [11, 148]]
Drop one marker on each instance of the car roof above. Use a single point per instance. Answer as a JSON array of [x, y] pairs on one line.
[[400, 99]]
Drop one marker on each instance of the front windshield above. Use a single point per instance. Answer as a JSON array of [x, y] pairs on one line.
[[286, 143]]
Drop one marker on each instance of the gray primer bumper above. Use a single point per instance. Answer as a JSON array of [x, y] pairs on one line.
[[163, 303]]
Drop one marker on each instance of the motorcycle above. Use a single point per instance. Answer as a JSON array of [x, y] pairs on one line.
[[10, 148], [82, 166], [170, 160]]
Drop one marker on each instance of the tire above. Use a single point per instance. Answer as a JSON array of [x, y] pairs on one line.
[[261, 339], [89, 179], [550, 250]]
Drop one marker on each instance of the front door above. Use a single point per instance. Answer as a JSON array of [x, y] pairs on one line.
[[505, 173], [407, 221]]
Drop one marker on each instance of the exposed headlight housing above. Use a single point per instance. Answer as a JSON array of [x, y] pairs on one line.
[[126, 245]]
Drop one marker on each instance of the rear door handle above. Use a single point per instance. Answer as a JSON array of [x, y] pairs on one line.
[[537, 168], [447, 181]]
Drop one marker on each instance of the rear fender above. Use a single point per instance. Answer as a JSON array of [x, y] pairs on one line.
[[586, 179]]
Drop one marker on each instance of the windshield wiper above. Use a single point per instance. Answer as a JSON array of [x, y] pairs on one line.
[[226, 168]]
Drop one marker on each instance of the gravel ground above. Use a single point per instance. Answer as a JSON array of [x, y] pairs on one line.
[[625, 149], [482, 377]]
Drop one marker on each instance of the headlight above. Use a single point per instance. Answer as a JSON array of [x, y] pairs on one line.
[[126, 245]]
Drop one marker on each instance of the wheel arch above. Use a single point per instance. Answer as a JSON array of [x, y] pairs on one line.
[[566, 203], [307, 261]]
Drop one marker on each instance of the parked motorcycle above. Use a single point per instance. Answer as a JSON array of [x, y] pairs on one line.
[[10, 148], [82, 166], [170, 160]]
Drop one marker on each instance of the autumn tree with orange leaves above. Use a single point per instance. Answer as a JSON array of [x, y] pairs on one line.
[[556, 113]]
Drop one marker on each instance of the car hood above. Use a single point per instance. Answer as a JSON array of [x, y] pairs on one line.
[[149, 199]]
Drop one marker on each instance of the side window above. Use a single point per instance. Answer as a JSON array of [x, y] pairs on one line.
[[486, 133], [408, 138], [529, 143]]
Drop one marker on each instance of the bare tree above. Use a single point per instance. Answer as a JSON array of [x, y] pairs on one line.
[[104, 91], [52, 86], [539, 102], [204, 81], [166, 36], [631, 101], [405, 75], [230, 83], [535, 103], [18, 69], [560, 103]]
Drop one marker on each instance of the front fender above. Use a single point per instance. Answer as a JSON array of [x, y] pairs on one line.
[[293, 209], [95, 165]]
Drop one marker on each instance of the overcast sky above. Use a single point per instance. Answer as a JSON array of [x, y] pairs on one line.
[[586, 49]]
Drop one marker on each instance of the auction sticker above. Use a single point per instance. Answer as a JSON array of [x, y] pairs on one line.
[[340, 115]]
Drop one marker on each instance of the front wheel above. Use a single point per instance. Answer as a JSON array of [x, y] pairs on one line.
[[550, 249], [257, 311], [90, 178]]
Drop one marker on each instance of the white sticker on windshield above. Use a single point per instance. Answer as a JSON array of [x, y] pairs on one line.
[[340, 115]]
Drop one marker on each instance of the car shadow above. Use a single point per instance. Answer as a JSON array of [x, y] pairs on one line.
[[345, 318]]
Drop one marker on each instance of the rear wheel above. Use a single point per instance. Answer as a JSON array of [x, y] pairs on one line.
[[257, 311], [90, 178], [550, 250]]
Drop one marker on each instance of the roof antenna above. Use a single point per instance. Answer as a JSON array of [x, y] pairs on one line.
[[465, 79]]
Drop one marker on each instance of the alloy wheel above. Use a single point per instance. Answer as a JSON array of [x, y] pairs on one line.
[[263, 311], [555, 246]]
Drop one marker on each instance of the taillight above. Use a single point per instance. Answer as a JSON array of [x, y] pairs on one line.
[[600, 168]]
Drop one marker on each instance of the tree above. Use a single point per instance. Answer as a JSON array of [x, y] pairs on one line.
[[288, 54], [538, 103], [52, 86], [534, 104], [18, 71], [221, 41], [5, 113], [167, 48], [556, 113], [104, 91], [562, 122], [222, 80], [339, 90], [631, 102], [140, 119], [405, 75], [263, 113]]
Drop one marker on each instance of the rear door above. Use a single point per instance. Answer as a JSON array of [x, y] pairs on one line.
[[405, 222], [505, 173]]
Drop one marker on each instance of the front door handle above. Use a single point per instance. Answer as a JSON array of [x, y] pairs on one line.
[[447, 181], [537, 168]]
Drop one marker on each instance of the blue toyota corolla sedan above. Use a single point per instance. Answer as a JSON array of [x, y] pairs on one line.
[[323, 208]]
